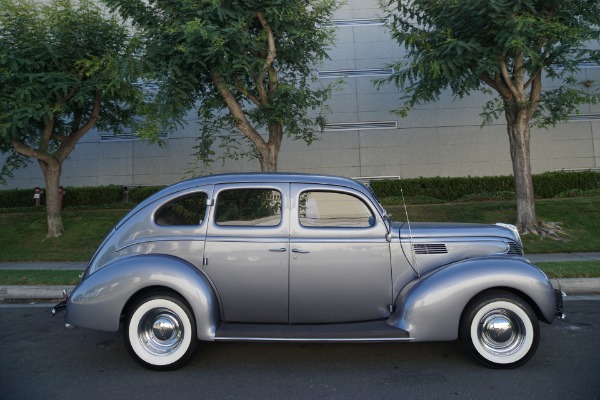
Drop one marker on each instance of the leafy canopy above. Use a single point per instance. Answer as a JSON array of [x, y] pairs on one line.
[[464, 45], [57, 60], [260, 50]]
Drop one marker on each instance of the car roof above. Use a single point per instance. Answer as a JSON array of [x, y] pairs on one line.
[[271, 177]]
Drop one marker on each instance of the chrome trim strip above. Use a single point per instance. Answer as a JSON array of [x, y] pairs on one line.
[[355, 340]]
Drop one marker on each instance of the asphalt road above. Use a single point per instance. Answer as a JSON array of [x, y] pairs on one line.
[[40, 359]]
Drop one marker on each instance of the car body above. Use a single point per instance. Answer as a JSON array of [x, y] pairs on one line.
[[278, 257]]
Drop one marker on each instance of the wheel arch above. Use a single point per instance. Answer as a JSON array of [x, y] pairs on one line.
[[100, 301], [430, 308], [526, 298]]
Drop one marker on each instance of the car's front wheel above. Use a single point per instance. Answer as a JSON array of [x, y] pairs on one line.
[[160, 331], [500, 329]]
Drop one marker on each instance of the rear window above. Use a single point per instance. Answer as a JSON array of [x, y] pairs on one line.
[[248, 207], [185, 210]]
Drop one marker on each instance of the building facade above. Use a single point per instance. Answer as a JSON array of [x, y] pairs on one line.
[[363, 137]]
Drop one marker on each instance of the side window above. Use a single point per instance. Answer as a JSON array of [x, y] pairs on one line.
[[334, 210], [248, 207], [186, 210]]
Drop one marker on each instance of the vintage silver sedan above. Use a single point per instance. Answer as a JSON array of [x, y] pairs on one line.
[[291, 257]]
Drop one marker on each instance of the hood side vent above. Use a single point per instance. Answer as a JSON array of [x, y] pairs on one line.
[[430, 248], [514, 248]]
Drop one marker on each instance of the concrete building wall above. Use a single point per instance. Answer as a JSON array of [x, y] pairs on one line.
[[436, 139]]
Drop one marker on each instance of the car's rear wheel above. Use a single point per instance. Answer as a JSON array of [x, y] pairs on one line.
[[160, 331], [500, 329]]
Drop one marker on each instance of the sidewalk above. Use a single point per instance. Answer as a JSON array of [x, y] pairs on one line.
[[571, 286]]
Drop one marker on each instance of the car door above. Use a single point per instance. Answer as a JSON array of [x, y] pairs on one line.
[[340, 259], [246, 251]]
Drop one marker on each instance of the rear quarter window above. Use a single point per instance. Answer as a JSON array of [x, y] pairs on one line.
[[187, 210]]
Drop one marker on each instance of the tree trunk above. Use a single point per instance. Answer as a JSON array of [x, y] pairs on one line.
[[269, 153], [519, 135], [53, 209], [268, 159]]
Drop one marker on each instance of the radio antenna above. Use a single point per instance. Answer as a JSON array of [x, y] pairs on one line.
[[410, 237]]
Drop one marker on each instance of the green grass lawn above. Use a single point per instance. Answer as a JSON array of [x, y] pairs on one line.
[[39, 277], [23, 235], [579, 217]]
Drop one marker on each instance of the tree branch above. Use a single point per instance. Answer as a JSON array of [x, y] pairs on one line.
[[507, 78], [27, 151], [46, 135], [519, 72], [68, 145], [241, 122], [244, 91], [267, 68], [496, 84], [535, 94]]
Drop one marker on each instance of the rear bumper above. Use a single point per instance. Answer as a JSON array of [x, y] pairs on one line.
[[559, 294]]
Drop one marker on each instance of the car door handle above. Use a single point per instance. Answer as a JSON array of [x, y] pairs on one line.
[[279, 250], [300, 251]]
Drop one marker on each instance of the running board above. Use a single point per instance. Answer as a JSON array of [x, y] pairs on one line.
[[373, 331]]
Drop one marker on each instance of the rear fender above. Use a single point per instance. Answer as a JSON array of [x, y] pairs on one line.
[[99, 300], [430, 307]]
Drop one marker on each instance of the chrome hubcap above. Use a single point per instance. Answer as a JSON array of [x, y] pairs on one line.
[[160, 332], [501, 332]]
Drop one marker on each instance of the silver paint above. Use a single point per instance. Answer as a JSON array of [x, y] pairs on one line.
[[290, 273]]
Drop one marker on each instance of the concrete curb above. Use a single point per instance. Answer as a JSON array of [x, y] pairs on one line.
[[577, 285], [571, 286], [24, 292]]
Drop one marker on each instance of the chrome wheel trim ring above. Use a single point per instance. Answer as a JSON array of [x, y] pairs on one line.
[[175, 352], [501, 332]]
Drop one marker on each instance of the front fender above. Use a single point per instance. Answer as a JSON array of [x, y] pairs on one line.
[[430, 307], [99, 300]]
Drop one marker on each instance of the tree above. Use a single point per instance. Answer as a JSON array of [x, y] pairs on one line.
[[506, 47], [243, 64], [65, 68]]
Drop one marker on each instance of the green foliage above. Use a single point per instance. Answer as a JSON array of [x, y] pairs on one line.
[[58, 59], [503, 45], [547, 185], [92, 196], [16, 198], [73, 197], [245, 65], [138, 194]]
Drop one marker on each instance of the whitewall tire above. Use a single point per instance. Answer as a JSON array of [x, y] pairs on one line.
[[160, 331], [500, 329]]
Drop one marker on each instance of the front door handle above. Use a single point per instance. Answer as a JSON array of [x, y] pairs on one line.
[[279, 250], [300, 251]]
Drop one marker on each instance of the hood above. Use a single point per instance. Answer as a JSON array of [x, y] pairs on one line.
[[432, 245]]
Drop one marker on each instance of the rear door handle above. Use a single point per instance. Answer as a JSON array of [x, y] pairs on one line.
[[279, 250], [300, 251]]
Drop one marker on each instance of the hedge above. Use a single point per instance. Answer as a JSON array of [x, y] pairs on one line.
[[92, 196], [419, 190], [546, 185], [74, 196], [137, 194]]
